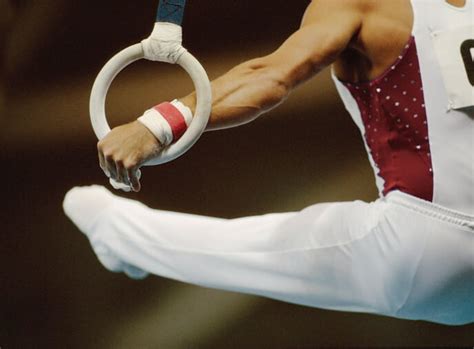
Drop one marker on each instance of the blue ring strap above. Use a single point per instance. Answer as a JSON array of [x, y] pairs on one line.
[[171, 11]]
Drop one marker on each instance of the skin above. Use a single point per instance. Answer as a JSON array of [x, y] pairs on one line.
[[350, 35]]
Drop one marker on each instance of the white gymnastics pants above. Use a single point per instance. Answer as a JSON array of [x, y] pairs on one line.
[[398, 256]]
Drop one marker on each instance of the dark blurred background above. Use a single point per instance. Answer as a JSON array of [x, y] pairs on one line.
[[53, 291]]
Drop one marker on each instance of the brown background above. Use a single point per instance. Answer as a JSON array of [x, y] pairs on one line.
[[54, 293]]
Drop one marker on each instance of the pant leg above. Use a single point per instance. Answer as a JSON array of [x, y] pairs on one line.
[[442, 289], [329, 255]]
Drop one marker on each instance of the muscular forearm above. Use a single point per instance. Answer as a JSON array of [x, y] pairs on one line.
[[244, 93], [256, 86]]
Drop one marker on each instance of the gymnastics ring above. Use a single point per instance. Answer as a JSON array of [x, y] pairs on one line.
[[164, 45]]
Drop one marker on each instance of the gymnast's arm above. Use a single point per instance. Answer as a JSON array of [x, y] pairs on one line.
[[250, 89], [257, 86]]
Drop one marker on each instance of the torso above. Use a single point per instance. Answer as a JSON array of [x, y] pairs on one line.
[[417, 130], [385, 32]]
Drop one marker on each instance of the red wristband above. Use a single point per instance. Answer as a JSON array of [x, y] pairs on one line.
[[174, 118]]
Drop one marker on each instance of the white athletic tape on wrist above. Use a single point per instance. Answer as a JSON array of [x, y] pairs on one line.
[[156, 124], [185, 111], [167, 121]]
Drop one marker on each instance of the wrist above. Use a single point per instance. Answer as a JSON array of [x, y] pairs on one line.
[[167, 121]]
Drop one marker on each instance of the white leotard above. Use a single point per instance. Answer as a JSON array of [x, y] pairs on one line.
[[417, 119]]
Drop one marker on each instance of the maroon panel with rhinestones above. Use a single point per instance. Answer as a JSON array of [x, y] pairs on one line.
[[396, 131]]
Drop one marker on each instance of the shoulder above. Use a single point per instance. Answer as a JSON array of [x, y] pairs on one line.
[[355, 6], [339, 12]]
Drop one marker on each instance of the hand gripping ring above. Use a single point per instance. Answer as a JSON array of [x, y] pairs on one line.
[[188, 63]]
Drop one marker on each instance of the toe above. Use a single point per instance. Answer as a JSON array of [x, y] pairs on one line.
[[83, 205]]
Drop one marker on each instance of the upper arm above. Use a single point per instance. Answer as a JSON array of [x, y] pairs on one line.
[[327, 29]]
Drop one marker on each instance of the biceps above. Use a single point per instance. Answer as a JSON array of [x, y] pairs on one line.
[[317, 44]]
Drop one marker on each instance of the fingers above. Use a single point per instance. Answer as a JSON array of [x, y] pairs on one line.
[[103, 163], [134, 179], [120, 186], [128, 174], [110, 166], [121, 173], [120, 169]]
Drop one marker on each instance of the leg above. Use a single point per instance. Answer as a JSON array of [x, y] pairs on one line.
[[313, 257], [443, 289]]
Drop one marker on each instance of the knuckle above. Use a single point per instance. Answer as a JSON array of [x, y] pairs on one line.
[[137, 156], [130, 164], [108, 156], [103, 145]]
